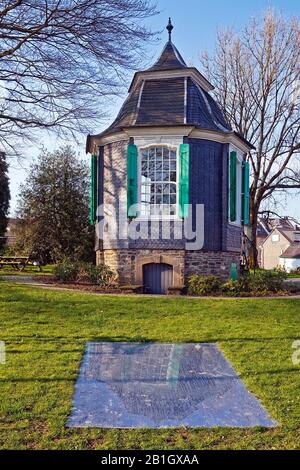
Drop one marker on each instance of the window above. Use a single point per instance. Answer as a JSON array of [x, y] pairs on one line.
[[297, 236], [275, 238], [158, 188], [239, 191], [235, 181]]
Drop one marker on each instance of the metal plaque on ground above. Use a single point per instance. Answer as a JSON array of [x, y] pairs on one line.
[[152, 385]]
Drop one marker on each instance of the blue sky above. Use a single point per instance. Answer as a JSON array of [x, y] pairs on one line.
[[195, 25]]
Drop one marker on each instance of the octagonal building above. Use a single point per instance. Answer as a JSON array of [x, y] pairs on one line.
[[170, 181]]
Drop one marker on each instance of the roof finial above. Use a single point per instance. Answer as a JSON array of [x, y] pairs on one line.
[[169, 28]]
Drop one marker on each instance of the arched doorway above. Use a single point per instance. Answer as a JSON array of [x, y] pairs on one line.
[[157, 278]]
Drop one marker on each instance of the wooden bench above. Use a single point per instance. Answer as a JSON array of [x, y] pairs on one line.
[[17, 262]]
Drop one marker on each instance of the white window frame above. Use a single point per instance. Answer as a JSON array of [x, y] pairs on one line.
[[296, 237], [275, 238], [239, 189], [170, 146]]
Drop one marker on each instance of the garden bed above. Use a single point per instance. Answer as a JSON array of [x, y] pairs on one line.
[[138, 289], [89, 287]]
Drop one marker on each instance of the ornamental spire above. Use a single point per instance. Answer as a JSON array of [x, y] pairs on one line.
[[169, 28]]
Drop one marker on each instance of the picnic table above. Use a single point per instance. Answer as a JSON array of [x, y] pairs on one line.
[[17, 262]]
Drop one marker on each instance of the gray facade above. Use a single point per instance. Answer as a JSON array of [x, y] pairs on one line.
[[168, 105]]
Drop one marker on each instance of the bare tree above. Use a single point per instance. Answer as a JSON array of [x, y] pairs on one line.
[[59, 59], [268, 214], [257, 74]]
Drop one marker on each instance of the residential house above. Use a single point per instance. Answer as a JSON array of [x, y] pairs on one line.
[[290, 258], [265, 227], [281, 248]]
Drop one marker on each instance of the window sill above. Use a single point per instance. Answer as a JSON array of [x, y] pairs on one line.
[[157, 218], [235, 224]]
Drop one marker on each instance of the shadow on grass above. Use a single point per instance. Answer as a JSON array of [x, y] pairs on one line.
[[185, 379], [140, 339]]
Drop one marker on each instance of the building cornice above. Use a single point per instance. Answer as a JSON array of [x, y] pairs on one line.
[[221, 137], [173, 73], [185, 131]]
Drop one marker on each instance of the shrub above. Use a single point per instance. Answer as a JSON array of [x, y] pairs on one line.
[[232, 287], [260, 282], [267, 281], [100, 275], [203, 285], [83, 272], [66, 271]]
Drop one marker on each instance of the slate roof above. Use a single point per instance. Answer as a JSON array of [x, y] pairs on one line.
[[203, 111], [167, 109], [160, 102], [177, 99], [292, 251], [169, 59]]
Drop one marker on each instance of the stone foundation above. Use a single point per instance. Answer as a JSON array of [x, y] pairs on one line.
[[217, 263], [128, 264]]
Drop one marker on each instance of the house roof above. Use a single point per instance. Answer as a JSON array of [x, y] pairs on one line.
[[292, 251], [280, 223], [288, 234], [262, 229], [169, 94], [267, 224], [158, 102], [170, 58]]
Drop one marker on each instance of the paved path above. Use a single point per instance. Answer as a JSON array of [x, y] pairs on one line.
[[19, 279], [29, 280], [294, 280]]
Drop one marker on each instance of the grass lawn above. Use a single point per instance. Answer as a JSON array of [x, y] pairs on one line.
[[289, 275], [45, 333], [28, 271], [293, 276]]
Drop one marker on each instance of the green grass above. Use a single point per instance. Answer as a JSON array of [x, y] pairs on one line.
[[46, 331], [28, 271], [289, 275], [293, 275]]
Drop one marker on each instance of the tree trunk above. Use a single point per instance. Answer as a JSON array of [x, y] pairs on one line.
[[253, 252]]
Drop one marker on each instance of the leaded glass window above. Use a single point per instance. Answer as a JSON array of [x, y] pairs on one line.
[[158, 181]]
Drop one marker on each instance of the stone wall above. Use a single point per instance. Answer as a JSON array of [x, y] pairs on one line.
[[210, 262], [128, 264]]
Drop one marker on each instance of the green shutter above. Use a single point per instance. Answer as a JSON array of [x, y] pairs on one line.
[[132, 175], [245, 193], [93, 200], [233, 187], [184, 157]]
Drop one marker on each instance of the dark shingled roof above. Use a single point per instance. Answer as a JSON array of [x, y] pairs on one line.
[[158, 102], [162, 102], [202, 110], [174, 97], [169, 59], [128, 112], [292, 251]]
